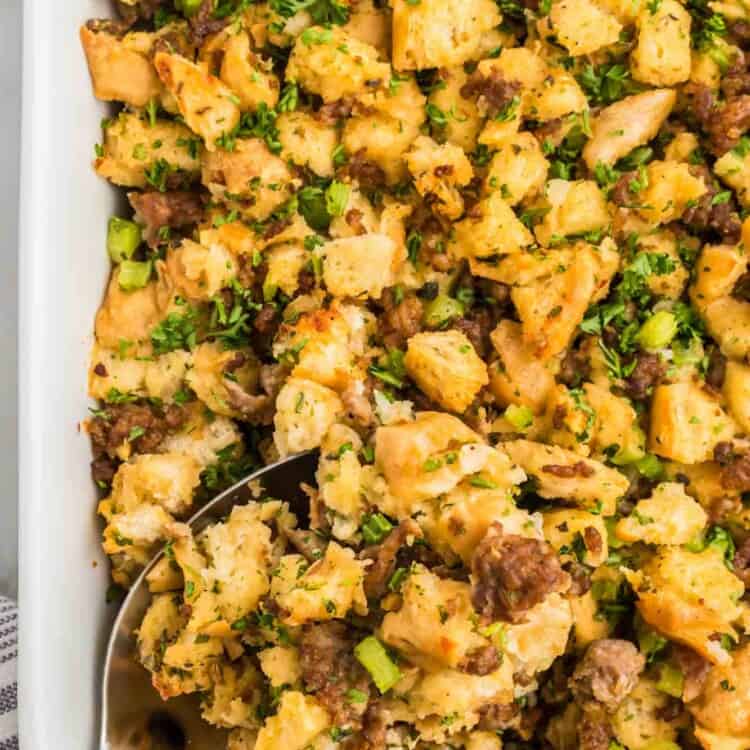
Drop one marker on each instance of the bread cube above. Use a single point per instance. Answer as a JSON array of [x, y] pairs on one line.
[[133, 148], [518, 376], [689, 597], [334, 64], [439, 33], [359, 266], [627, 124], [575, 208], [492, 229], [307, 142], [581, 26], [249, 178], [250, 78], [434, 627], [299, 720], [426, 457], [119, 72], [463, 127], [670, 190], [558, 96], [687, 423], [662, 55], [325, 345], [445, 365], [207, 105], [438, 171], [668, 516], [736, 390], [567, 475], [166, 479], [328, 589], [199, 272], [733, 169], [518, 169], [305, 411], [383, 140]]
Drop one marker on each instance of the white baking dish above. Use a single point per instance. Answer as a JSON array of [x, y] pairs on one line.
[[63, 270]]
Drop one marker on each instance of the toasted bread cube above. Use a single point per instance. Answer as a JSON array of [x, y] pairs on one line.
[[558, 96], [132, 149], [518, 377], [326, 344], [166, 479], [383, 140], [668, 516], [130, 315], [733, 169], [518, 169], [552, 300], [575, 208], [581, 26], [681, 147], [640, 719], [662, 55], [463, 128], [624, 125], [565, 474], [492, 229], [207, 377], [359, 266], [334, 64], [439, 33], [689, 597], [413, 457], [328, 589], [299, 720], [307, 142], [433, 628], [249, 178], [687, 423], [207, 105], [671, 284], [198, 271], [718, 269], [721, 709], [446, 367], [438, 171], [247, 75], [728, 321], [119, 72], [671, 189], [305, 411], [736, 390]]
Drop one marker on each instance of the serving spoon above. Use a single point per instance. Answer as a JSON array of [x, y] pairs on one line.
[[134, 717]]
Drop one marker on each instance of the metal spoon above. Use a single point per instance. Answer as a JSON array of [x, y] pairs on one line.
[[134, 717]]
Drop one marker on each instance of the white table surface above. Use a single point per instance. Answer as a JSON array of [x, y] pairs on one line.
[[10, 113]]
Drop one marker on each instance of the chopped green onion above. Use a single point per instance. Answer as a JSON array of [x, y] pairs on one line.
[[441, 310], [372, 655], [375, 528], [658, 330], [397, 579], [650, 466], [187, 7], [671, 681], [521, 417], [134, 274], [123, 238]]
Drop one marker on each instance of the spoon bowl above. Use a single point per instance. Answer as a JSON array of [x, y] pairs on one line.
[[134, 717]]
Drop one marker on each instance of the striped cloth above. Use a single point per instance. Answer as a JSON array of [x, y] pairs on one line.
[[8, 685]]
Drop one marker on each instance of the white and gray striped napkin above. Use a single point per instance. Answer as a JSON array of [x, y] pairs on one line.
[[8, 684]]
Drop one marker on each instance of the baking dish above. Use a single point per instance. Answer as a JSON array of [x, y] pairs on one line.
[[63, 270]]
